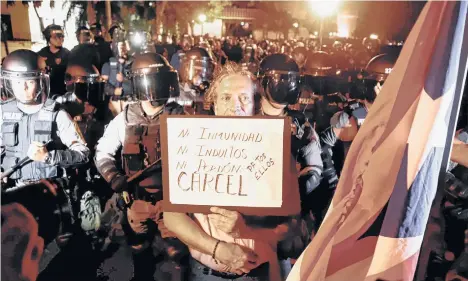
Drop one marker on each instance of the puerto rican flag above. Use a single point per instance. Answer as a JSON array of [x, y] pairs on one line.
[[376, 222]]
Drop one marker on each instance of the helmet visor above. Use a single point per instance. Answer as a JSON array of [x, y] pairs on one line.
[[88, 88], [282, 88], [158, 86], [27, 88], [196, 71]]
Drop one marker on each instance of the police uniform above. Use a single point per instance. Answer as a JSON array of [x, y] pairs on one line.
[[137, 135], [20, 126]]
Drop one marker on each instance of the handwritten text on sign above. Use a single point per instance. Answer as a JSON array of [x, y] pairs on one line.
[[225, 161]]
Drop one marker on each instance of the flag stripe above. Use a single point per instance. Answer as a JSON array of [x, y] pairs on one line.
[[375, 226]]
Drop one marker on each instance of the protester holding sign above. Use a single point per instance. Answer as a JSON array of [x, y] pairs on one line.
[[227, 244]]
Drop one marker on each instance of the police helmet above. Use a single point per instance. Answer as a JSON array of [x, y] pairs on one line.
[[23, 77], [280, 78], [299, 54], [376, 71], [319, 73], [197, 66], [153, 78], [86, 83], [380, 66]]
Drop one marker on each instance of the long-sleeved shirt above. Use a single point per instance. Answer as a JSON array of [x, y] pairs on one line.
[[112, 140]]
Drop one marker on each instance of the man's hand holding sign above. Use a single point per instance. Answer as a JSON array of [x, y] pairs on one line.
[[231, 222]]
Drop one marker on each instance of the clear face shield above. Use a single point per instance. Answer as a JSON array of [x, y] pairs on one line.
[[152, 84], [282, 87], [26, 87], [196, 71]]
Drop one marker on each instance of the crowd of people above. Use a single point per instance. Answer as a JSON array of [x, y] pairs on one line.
[[81, 150]]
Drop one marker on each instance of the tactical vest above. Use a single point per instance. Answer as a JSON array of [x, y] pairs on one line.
[[142, 144], [19, 130], [358, 111]]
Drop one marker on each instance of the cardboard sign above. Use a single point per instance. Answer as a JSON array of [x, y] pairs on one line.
[[238, 163]]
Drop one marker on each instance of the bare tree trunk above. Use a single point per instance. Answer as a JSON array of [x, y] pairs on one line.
[[108, 14], [159, 14], [41, 22], [91, 13]]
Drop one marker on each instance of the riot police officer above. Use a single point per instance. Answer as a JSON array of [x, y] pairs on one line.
[[187, 42], [363, 94], [85, 101], [280, 82], [56, 57], [33, 126], [320, 88], [196, 72], [136, 132], [345, 124]]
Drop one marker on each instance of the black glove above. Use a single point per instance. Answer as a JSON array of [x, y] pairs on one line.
[[119, 183]]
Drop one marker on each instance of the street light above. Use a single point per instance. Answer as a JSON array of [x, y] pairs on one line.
[[202, 19], [323, 9], [296, 25]]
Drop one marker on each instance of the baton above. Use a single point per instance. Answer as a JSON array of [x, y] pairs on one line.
[[21, 163], [135, 177], [18, 165]]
